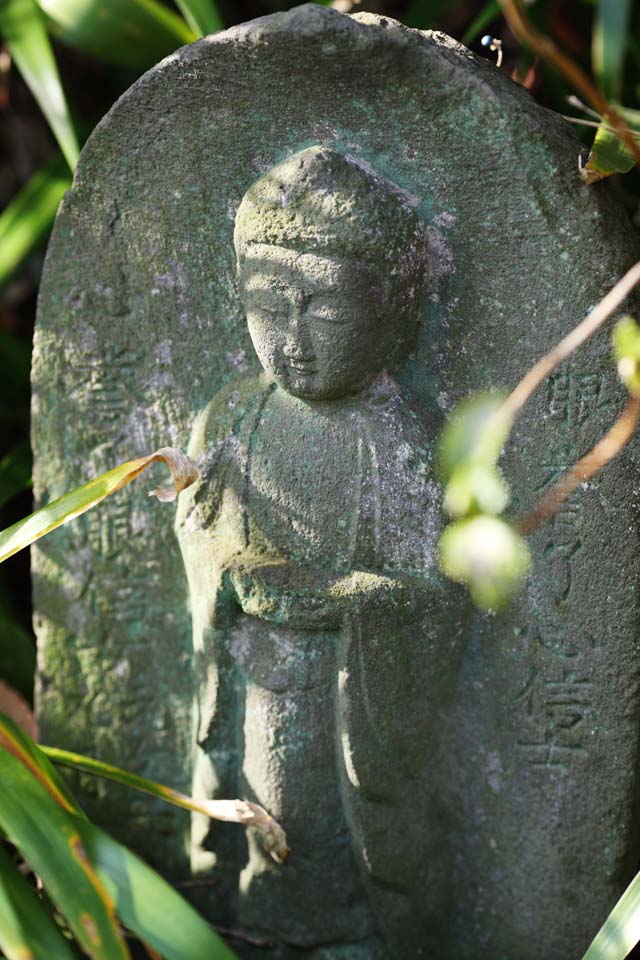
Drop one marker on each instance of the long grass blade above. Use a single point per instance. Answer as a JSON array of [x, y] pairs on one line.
[[78, 501], [231, 811], [609, 43], [621, 930], [148, 906], [51, 840], [29, 216], [131, 33], [26, 929], [16, 742], [22, 25], [202, 16]]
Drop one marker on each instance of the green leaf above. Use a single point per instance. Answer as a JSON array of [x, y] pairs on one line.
[[131, 33], [78, 501], [609, 42], [609, 154], [234, 811], [14, 740], [626, 348], [473, 434], [476, 488], [621, 930], [201, 15], [477, 26], [26, 929], [487, 555], [51, 841], [15, 472], [22, 25], [17, 657], [29, 216], [148, 906]]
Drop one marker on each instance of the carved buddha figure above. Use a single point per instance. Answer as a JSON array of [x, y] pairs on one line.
[[309, 546]]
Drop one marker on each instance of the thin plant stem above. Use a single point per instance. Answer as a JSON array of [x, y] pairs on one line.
[[579, 335], [545, 48], [604, 451]]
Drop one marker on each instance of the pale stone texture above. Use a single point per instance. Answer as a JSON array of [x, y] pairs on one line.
[[532, 824]]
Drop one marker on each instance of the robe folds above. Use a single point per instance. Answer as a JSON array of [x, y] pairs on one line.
[[323, 661]]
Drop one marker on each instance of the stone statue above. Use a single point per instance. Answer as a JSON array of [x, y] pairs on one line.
[[454, 786], [309, 543]]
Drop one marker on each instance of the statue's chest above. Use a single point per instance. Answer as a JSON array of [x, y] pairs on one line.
[[304, 481]]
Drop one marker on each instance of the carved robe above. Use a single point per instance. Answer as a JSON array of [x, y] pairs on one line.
[[309, 544]]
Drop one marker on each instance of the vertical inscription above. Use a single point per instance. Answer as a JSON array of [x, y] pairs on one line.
[[555, 701]]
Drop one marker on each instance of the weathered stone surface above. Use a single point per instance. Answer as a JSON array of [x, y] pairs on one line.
[[523, 824]]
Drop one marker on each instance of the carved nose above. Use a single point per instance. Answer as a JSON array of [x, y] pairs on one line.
[[295, 351]]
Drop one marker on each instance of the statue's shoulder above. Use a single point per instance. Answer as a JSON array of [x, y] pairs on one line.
[[226, 411]]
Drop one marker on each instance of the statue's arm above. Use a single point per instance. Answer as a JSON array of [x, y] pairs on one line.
[[318, 599]]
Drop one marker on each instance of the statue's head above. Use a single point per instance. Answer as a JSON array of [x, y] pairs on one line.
[[332, 266]]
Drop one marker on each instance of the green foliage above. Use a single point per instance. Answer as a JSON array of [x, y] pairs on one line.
[[94, 882], [620, 932], [479, 549], [133, 33], [488, 555], [29, 217], [22, 26], [626, 348], [609, 154], [201, 15], [609, 43]]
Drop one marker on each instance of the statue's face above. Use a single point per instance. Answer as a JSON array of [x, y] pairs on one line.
[[320, 325]]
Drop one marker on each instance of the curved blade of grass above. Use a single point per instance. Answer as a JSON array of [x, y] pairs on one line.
[[148, 906], [78, 501], [201, 15], [609, 42], [22, 25], [28, 218], [233, 811], [131, 33], [621, 930], [51, 841], [26, 929], [15, 741]]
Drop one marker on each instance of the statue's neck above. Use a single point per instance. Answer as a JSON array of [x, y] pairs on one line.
[[380, 389]]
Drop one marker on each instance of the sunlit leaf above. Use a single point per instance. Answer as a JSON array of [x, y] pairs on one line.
[[609, 154], [26, 929], [14, 740], [134, 33], [148, 906], [201, 15], [487, 555], [231, 811], [472, 434], [609, 42], [22, 26], [621, 930], [78, 501], [29, 216], [51, 840]]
